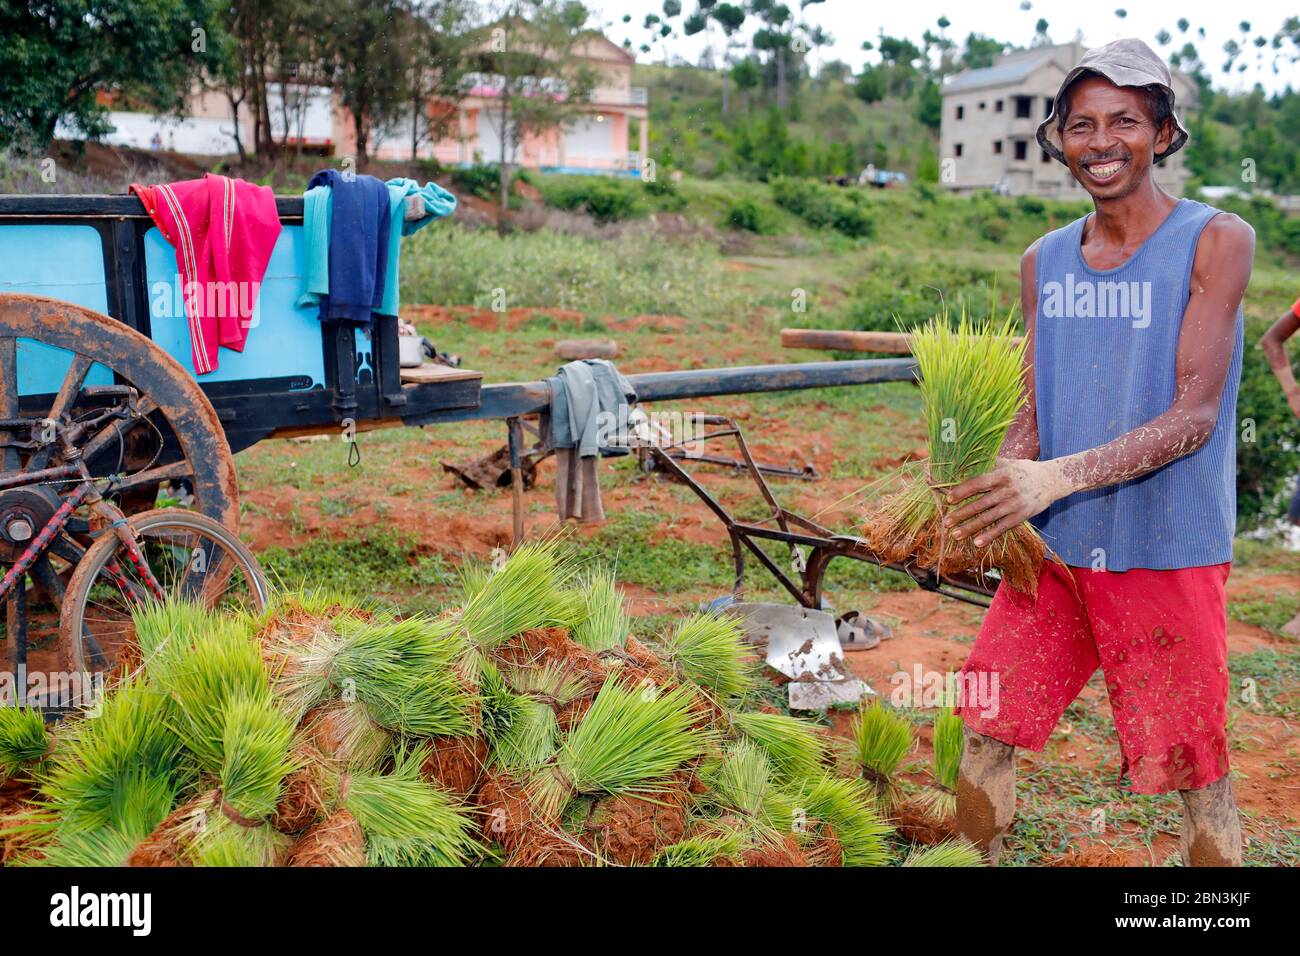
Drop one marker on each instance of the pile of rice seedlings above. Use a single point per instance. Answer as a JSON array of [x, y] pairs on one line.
[[524, 726], [971, 382]]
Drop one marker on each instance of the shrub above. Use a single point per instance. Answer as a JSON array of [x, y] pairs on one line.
[[748, 215], [603, 198], [482, 180], [823, 206]]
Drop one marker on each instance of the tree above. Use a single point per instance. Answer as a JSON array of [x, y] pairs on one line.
[[730, 18], [531, 55], [746, 75], [367, 62], [58, 56], [438, 63]]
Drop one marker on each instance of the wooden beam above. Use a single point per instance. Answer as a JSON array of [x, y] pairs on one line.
[[893, 343]]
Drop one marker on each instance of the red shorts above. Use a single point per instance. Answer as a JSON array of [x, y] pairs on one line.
[[1160, 638]]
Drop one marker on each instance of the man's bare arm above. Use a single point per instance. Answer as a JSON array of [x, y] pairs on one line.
[[1017, 490], [1021, 440], [1273, 344]]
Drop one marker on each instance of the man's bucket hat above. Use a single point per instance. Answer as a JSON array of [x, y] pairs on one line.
[[1127, 62]]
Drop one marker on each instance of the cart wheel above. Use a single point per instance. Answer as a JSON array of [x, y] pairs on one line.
[[175, 439], [192, 557]]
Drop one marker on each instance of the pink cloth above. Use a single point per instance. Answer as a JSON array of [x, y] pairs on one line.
[[223, 231]]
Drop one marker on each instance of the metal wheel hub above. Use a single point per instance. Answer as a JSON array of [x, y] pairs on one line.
[[23, 513]]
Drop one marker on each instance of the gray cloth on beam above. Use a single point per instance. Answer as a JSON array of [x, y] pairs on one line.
[[581, 393], [584, 396]]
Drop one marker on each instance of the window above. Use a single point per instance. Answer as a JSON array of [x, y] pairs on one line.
[[961, 112], [956, 149], [981, 104], [1022, 149], [1047, 157], [1024, 107], [1047, 107], [997, 146], [997, 106]]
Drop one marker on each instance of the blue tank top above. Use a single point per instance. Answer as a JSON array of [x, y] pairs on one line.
[[1105, 353]]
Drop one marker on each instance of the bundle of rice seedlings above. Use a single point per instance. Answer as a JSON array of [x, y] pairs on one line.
[[255, 742], [217, 838], [948, 853], [700, 851], [101, 766], [847, 807], [139, 802], [605, 624], [344, 732], [402, 670], [406, 821], [881, 739], [971, 388], [709, 649], [742, 787], [23, 740], [941, 799], [526, 592], [628, 738], [216, 663], [793, 747]]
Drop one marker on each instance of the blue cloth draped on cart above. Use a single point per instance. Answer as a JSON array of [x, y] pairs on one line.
[[324, 242]]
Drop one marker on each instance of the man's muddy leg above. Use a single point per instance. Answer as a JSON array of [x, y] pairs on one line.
[[986, 793], [1211, 826]]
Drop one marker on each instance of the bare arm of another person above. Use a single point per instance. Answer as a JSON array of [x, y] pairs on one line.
[[1274, 348], [1015, 491], [1021, 440]]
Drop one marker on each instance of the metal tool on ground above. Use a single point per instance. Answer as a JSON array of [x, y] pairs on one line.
[[802, 644]]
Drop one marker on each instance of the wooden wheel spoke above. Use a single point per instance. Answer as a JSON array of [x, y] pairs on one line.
[[178, 469], [9, 461], [111, 432], [63, 403]]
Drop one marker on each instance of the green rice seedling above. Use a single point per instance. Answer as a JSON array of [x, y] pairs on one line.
[[942, 798], [407, 821], [345, 732], [404, 671], [531, 739], [948, 853], [881, 739], [627, 738], [137, 804], [526, 592], [793, 747], [500, 706], [743, 783], [847, 806], [972, 385], [709, 649], [164, 629], [256, 741], [23, 740], [105, 847], [218, 663], [699, 850], [87, 784], [605, 624], [218, 840]]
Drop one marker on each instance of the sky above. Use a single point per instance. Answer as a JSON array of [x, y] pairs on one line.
[[853, 21]]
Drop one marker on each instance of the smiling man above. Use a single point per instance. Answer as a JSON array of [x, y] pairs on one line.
[[1124, 458]]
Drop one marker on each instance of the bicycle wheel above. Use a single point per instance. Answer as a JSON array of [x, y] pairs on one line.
[[193, 558]]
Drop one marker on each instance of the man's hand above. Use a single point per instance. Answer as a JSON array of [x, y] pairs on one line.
[[1014, 491]]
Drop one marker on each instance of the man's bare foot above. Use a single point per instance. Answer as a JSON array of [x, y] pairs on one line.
[[986, 793], [1211, 826]]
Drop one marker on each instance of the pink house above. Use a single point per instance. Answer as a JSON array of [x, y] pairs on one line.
[[600, 141]]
